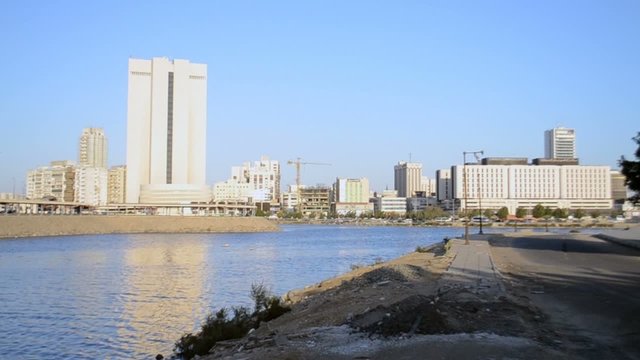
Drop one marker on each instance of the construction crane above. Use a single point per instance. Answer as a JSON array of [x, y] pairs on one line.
[[298, 164]]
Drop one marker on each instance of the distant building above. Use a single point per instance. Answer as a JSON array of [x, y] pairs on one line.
[[55, 181], [289, 199], [559, 162], [117, 185], [93, 148], [421, 203], [444, 185], [618, 188], [315, 200], [166, 132], [560, 143], [428, 186], [407, 178], [351, 195], [389, 202], [91, 185], [513, 186], [504, 161], [257, 182]]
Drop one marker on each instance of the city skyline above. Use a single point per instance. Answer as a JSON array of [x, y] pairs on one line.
[[458, 78]]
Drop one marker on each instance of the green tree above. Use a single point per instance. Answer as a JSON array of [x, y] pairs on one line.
[[560, 213], [488, 213], [538, 211], [579, 214], [260, 212], [631, 171], [521, 212], [503, 213], [595, 214]]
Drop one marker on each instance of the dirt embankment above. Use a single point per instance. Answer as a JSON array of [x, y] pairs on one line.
[[56, 225], [402, 309]]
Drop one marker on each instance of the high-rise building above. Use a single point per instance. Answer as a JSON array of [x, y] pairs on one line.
[[93, 148], [560, 143], [53, 181], [408, 178], [258, 181], [91, 185], [117, 184], [166, 132], [444, 185]]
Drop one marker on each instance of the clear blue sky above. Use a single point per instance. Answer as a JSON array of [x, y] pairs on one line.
[[358, 84]]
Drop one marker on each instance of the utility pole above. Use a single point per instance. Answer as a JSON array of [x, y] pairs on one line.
[[464, 185]]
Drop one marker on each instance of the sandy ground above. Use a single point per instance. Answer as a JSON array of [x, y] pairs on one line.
[[398, 310], [12, 226]]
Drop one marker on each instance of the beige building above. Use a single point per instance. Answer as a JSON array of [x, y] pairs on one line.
[[55, 180], [351, 195], [389, 202], [166, 132], [93, 148], [513, 186], [117, 185], [407, 178]]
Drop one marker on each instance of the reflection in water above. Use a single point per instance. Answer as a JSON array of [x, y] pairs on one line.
[[163, 283]]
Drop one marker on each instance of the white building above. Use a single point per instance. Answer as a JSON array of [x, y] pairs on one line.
[[444, 185], [351, 195], [390, 202], [116, 185], [258, 182], [231, 190], [93, 148], [428, 186], [55, 180], [91, 185], [513, 186], [166, 132], [560, 143], [407, 178]]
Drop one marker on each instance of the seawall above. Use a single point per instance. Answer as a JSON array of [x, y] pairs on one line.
[[59, 225]]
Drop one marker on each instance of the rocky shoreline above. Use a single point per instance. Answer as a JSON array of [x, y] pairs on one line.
[[18, 226]]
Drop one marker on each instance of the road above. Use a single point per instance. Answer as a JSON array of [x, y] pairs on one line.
[[588, 288]]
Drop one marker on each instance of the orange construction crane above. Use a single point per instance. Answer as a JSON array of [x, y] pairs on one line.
[[298, 163]]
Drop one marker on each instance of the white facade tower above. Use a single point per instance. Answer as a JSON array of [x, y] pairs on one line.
[[560, 143], [166, 132]]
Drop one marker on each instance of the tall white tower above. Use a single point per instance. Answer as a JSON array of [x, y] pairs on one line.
[[166, 132], [560, 143], [93, 148]]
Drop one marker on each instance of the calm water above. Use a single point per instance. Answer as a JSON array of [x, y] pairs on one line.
[[133, 296]]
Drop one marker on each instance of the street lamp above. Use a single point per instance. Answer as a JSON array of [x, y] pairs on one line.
[[476, 154]]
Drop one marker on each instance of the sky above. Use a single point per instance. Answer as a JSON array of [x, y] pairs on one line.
[[357, 84]]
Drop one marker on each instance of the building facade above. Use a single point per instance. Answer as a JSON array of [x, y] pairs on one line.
[[55, 181], [91, 185], [389, 202], [93, 148], [560, 143], [117, 180], [444, 185], [513, 186], [407, 178], [351, 196], [166, 132]]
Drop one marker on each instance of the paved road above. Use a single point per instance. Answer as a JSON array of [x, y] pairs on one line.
[[589, 288]]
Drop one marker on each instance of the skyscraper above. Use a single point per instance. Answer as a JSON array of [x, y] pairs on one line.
[[408, 178], [166, 132], [93, 148], [560, 143]]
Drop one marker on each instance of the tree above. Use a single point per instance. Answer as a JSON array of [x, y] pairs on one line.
[[595, 214], [631, 171], [538, 211], [521, 212], [560, 213], [579, 214], [503, 213]]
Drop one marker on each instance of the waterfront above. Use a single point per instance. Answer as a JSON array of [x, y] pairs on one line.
[[132, 296]]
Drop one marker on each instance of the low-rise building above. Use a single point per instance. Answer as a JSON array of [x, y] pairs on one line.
[[389, 202], [55, 181]]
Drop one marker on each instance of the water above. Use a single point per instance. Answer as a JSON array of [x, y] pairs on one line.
[[133, 296]]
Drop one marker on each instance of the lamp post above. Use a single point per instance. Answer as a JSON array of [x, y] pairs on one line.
[[476, 154]]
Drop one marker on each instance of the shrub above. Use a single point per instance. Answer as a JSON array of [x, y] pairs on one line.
[[219, 327]]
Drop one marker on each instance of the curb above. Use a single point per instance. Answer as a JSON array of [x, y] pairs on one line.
[[635, 244]]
